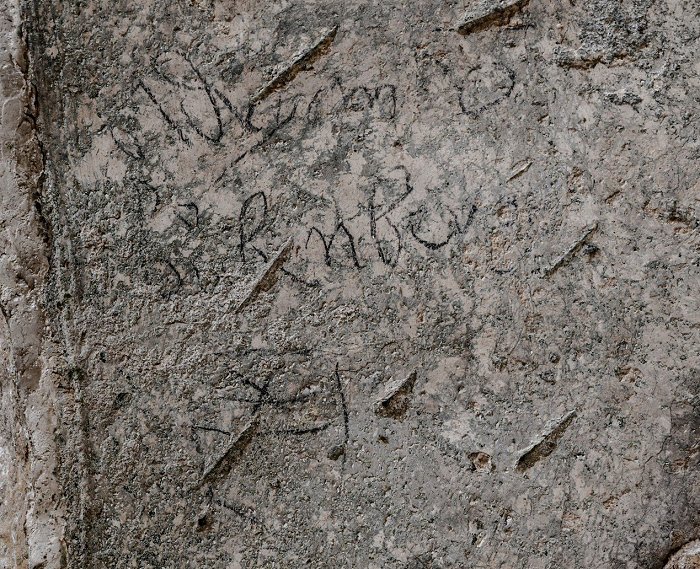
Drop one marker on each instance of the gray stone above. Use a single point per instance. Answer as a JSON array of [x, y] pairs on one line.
[[349, 284]]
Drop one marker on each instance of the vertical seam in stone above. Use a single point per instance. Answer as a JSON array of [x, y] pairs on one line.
[[31, 493]]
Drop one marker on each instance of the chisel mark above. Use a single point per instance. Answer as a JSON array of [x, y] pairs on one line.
[[396, 398], [520, 170], [570, 252], [268, 277], [545, 446], [299, 63], [235, 449], [489, 14]]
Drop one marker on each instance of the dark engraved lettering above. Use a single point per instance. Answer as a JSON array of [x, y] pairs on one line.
[[196, 125], [178, 279], [383, 245], [382, 96], [359, 99], [303, 430], [415, 222], [181, 97], [282, 114], [387, 256], [326, 248], [328, 243], [237, 114], [165, 116], [210, 429], [485, 87], [252, 219], [406, 190], [351, 243], [467, 222]]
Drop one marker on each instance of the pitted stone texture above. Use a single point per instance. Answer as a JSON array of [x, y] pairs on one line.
[[266, 216], [686, 558], [30, 512]]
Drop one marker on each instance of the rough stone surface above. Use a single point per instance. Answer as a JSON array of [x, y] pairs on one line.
[[350, 284], [30, 510], [686, 558]]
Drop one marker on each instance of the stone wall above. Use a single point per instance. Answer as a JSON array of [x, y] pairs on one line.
[[350, 284]]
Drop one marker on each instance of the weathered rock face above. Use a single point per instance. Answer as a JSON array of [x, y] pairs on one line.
[[355, 284], [30, 509], [686, 558]]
